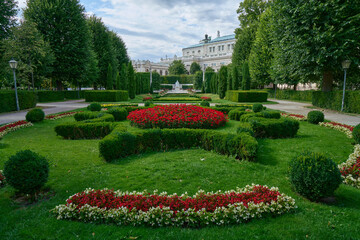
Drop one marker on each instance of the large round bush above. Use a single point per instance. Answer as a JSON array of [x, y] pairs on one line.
[[314, 176], [177, 116], [26, 171], [315, 117], [35, 115], [356, 134], [119, 113], [257, 107], [94, 107]]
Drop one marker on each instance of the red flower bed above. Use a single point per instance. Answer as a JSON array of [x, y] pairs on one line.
[[108, 199], [61, 115], [11, 125], [353, 169], [147, 98], [206, 98], [177, 116], [351, 128]]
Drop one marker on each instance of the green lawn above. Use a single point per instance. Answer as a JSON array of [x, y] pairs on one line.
[[76, 165]]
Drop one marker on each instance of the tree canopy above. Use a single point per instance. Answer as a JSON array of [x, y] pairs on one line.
[[177, 67], [194, 68]]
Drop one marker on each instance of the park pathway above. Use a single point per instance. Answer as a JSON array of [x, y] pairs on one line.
[[49, 108], [302, 108]]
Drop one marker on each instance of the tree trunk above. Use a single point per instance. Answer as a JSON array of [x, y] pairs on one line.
[[327, 82], [295, 86], [59, 85]]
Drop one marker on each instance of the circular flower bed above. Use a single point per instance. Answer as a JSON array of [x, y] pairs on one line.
[[142, 208], [350, 170], [177, 116]]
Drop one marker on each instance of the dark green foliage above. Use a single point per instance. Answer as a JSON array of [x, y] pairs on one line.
[[83, 130], [245, 128], [177, 67], [8, 102], [172, 79], [50, 96], [155, 81], [271, 114], [257, 107], [81, 116], [122, 144], [229, 85], [315, 117], [148, 103], [26, 171], [94, 107], [208, 76], [274, 128], [131, 80], [333, 100], [102, 117], [356, 134], [205, 103], [109, 78], [35, 115], [314, 176], [143, 82], [291, 94], [236, 82], [74, 94], [7, 17], [198, 80], [235, 114], [246, 96], [247, 116], [119, 113], [195, 67], [245, 76], [226, 109], [106, 96], [222, 81]]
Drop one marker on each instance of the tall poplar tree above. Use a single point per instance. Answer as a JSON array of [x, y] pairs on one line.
[[131, 80], [222, 81]]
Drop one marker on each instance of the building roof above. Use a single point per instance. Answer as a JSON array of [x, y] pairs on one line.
[[219, 39]]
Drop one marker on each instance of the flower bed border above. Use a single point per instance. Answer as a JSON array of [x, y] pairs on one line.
[[60, 115], [350, 179], [11, 127], [298, 117], [162, 216], [339, 127]]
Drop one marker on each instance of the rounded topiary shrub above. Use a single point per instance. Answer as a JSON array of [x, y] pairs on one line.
[[356, 134], [148, 103], [315, 117], [257, 107], [119, 113], [314, 176], [35, 115], [26, 171], [94, 107], [205, 103]]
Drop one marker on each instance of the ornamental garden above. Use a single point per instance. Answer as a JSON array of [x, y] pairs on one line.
[[184, 169]]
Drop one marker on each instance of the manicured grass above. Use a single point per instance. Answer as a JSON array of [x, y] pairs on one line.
[[76, 165]]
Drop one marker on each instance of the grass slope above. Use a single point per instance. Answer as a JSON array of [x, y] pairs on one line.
[[76, 165]]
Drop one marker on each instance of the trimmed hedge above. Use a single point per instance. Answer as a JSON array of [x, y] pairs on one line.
[[50, 96], [175, 99], [122, 144], [35, 115], [274, 128], [119, 114], [8, 103], [333, 100], [235, 114], [81, 116], [246, 96], [103, 117], [171, 79], [82, 130], [291, 94], [73, 94], [106, 96], [315, 117]]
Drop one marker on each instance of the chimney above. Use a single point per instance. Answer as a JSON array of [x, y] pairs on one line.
[[206, 36], [218, 33]]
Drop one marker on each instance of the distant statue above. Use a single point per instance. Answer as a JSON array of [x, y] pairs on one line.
[[177, 85]]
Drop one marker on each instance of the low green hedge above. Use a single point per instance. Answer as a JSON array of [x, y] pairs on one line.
[[176, 99], [333, 100], [81, 116], [120, 114], [50, 96], [106, 96], [172, 79], [274, 128], [82, 130], [246, 96], [27, 100], [227, 109], [235, 114], [73, 94], [122, 144], [291, 94]]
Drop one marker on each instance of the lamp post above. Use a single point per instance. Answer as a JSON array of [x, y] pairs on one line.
[[13, 65], [204, 79], [345, 66]]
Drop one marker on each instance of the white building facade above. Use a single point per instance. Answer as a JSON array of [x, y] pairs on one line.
[[208, 53]]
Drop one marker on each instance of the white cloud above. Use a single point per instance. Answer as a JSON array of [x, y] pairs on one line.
[[152, 29]]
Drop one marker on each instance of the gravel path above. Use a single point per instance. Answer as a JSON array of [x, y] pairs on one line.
[[302, 108]]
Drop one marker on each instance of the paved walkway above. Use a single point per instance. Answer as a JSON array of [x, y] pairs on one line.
[[49, 108], [301, 108]]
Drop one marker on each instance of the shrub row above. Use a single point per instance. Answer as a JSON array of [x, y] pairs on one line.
[[106, 96], [174, 99], [291, 94], [8, 103], [49, 96], [172, 79], [333, 100], [274, 128], [246, 96], [122, 144], [82, 130]]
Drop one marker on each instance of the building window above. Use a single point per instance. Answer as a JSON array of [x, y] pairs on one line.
[[210, 48], [222, 63], [228, 46], [214, 64], [199, 51], [219, 48], [187, 53], [193, 52], [222, 47]]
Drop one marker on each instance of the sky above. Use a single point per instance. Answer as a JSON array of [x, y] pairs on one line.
[[154, 29]]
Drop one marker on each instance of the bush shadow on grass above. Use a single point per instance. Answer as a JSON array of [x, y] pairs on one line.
[[347, 197], [265, 155], [4, 145]]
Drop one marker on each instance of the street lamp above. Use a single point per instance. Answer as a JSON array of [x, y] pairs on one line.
[[13, 65], [345, 66], [204, 79]]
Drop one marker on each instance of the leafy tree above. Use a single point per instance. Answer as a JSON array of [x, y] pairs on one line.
[[314, 37], [177, 67], [209, 72], [8, 9], [117, 81], [261, 55], [119, 50], [92, 69], [131, 80], [245, 77], [63, 25], [214, 83], [109, 78], [194, 68], [33, 54], [222, 81], [235, 77], [198, 80]]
